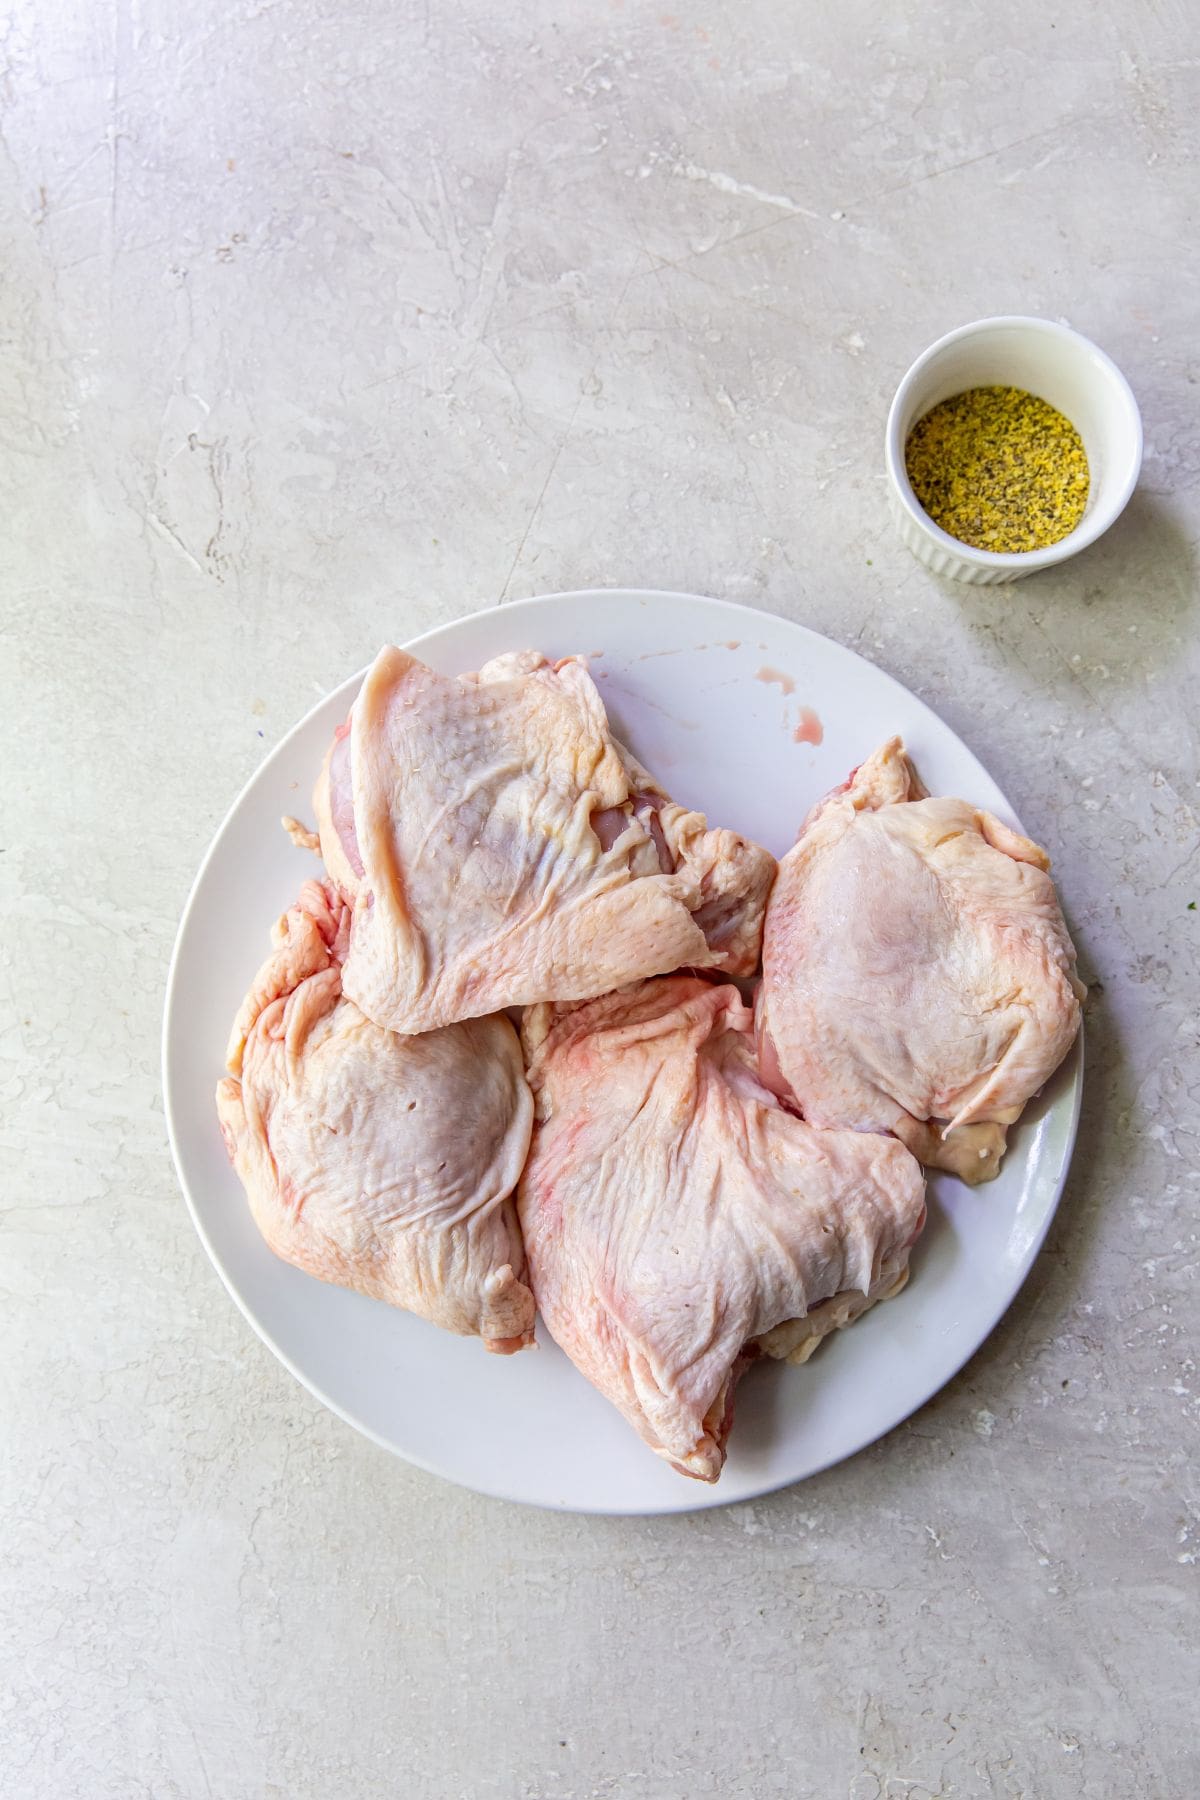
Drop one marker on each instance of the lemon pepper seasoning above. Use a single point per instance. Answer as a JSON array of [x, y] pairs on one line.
[[999, 469]]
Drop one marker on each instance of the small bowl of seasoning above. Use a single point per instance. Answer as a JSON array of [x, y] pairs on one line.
[[1012, 444]]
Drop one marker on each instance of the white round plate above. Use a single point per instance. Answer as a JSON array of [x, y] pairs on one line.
[[717, 701]]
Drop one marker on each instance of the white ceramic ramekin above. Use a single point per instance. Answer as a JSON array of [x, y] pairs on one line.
[[1059, 366]]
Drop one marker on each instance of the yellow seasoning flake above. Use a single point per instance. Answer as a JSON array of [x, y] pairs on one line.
[[999, 469]]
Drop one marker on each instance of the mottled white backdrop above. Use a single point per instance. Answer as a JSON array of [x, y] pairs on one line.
[[320, 324]]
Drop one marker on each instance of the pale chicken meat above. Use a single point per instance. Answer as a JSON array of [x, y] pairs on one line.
[[678, 1219], [500, 847], [918, 976], [386, 1164]]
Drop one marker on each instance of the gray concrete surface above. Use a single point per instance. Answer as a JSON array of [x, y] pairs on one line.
[[319, 324]]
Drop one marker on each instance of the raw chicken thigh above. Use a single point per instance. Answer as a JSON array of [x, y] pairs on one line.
[[384, 1163], [918, 975], [677, 1218], [499, 847]]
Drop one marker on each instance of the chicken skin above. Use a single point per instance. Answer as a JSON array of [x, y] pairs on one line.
[[383, 1163], [500, 847], [917, 972], [678, 1219]]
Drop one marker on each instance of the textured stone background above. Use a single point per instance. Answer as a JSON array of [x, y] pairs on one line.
[[320, 324]]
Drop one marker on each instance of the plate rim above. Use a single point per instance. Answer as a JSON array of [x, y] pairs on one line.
[[696, 1497]]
